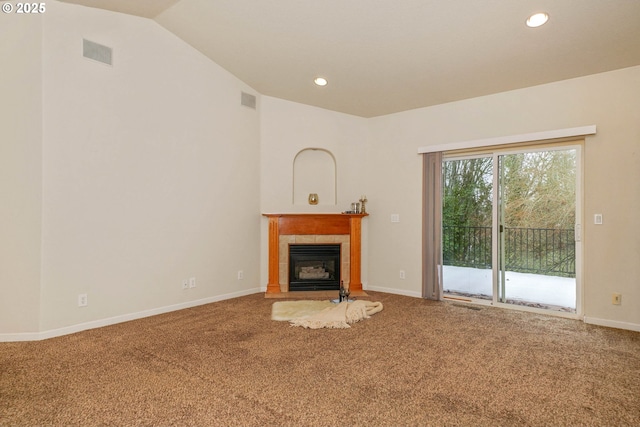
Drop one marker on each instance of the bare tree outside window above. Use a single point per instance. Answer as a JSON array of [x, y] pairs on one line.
[[539, 211]]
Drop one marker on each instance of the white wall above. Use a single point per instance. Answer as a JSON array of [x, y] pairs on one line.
[[121, 181], [286, 129], [611, 101], [150, 172], [20, 171]]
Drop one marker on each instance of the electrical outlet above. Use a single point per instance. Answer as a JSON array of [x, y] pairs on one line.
[[83, 301], [192, 282], [402, 274], [616, 299], [240, 274], [185, 284]]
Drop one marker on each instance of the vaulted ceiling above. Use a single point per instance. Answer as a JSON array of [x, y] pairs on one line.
[[386, 56]]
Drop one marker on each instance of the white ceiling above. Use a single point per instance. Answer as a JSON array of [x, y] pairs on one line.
[[386, 56]]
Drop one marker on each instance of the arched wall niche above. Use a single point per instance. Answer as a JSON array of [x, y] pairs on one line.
[[314, 171]]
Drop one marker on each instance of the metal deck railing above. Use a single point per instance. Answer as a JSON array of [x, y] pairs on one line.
[[547, 251]]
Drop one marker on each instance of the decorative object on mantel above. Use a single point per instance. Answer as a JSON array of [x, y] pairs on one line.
[[359, 206], [313, 199], [363, 200]]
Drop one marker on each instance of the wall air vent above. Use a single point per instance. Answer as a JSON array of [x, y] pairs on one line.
[[248, 100], [97, 52]]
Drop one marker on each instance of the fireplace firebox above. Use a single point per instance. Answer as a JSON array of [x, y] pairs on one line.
[[314, 267]]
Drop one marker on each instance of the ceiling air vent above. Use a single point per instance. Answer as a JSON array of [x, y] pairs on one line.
[[248, 100], [97, 52]]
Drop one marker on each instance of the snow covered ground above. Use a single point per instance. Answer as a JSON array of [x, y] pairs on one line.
[[552, 290]]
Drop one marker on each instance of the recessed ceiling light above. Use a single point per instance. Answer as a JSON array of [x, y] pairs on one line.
[[320, 81], [537, 19]]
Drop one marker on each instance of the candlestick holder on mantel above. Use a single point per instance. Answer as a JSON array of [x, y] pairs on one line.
[[363, 200], [358, 207]]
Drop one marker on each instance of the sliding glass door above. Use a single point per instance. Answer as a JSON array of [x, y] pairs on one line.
[[467, 223], [537, 203], [509, 228]]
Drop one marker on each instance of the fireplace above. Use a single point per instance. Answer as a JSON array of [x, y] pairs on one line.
[[341, 229], [314, 267]]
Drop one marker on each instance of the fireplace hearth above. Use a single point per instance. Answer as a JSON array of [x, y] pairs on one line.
[[314, 267]]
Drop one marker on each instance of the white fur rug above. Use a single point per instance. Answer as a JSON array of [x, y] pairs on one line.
[[324, 314], [289, 310]]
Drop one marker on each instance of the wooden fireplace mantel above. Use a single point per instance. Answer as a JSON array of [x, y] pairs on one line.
[[310, 224]]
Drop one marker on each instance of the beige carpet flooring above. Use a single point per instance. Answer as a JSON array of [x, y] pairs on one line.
[[416, 363]]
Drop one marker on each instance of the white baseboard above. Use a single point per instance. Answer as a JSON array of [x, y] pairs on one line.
[[23, 336], [394, 291], [591, 320], [37, 336], [612, 323], [43, 335]]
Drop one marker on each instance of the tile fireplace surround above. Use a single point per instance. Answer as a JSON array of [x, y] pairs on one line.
[[300, 228]]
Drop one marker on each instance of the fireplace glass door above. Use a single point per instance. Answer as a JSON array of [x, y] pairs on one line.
[[314, 267]]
